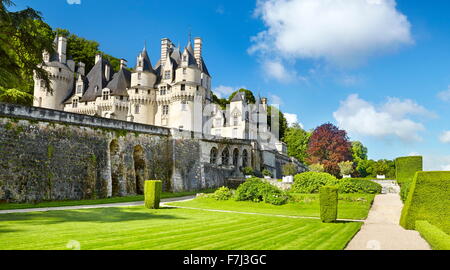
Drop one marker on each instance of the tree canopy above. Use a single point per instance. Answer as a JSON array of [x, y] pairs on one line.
[[328, 146], [248, 95], [297, 140], [359, 151]]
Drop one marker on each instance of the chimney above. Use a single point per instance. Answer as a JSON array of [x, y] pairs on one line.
[[166, 44], [198, 50], [264, 103], [98, 57], [81, 68], [123, 63], [62, 49]]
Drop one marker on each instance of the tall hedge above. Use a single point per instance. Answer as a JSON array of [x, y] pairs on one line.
[[429, 200], [152, 192], [328, 203], [405, 169], [437, 239]]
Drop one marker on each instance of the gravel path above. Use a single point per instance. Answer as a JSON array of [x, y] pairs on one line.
[[381, 230], [45, 209]]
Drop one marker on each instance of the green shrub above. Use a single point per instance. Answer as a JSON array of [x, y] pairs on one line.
[[257, 190], [428, 199], [266, 172], [289, 169], [437, 239], [316, 167], [222, 194], [328, 203], [346, 167], [248, 171], [310, 182], [351, 185], [405, 169], [152, 191]]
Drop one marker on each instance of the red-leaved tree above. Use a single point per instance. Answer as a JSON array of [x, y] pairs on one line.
[[328, 146]]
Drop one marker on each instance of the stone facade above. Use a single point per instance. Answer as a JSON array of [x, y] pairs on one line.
[[54, 155]]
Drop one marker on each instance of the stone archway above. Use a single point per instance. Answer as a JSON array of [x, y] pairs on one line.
[[139, 168], [116, 167]]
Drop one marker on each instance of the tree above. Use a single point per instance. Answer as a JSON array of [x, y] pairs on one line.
[[328, 146], [346, 167], [317, 167], [359, 151], [381, 167], [365, 168], [23, 38], [297, 140], [222, 102]]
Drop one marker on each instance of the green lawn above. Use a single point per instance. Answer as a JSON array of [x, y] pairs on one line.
[[168, 228], [164, 195], [350, 206]]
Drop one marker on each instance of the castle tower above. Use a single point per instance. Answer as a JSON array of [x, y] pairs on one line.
[[61, 77], [142, 91]]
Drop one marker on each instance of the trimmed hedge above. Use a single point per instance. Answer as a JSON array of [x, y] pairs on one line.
[[310, 182], [328, 204], [429, 200], [437, 239], [405, 169], [257, 190], [350, 185], [152, 193]]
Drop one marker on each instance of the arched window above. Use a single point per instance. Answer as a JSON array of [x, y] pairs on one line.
[[225, 156], [213, 155], [245, 158], [235, 157]]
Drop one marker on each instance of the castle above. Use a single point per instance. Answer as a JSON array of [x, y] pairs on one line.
[[175, 93]]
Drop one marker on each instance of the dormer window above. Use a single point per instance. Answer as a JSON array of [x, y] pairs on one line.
[[79, 89], [167, 75], [75, 103], [105, 94], [185, 58], [139, 76], [183, 87], [162, 90]]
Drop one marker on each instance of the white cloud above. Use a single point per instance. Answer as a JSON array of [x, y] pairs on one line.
[[445, 137], [74, 2], [444, 95], [360, 117], [223, 91], [344, 33], [292, 118], [277, 70]]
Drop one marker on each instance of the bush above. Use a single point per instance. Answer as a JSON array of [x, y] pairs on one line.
[[266, 172], [405, 169], [437, 239], [152, 191], [222, 194], [316, 167], [248, 171], [257, 190], [310, 182], [328, 204], [351, 185], [428, 199], [346, 167], [289, 169]]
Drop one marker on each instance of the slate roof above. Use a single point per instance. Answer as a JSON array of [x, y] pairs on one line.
[[240, 96], [120, 82], [96, 78]]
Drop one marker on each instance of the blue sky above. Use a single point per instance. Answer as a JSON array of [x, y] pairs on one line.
[[378, 68]]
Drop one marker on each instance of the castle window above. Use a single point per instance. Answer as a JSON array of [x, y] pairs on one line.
[[213, 155], [139, 76], [60, 69], [184, 105], [136, 109], [75, 103], [136, 91], [198, 87], [185, 58], [163, 90], [236, 121], [121, 97], [225, 156], [148, 92], [183, 87], [79, 89], [167, 75], [165, 110], [105, 94], [235, 157]]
